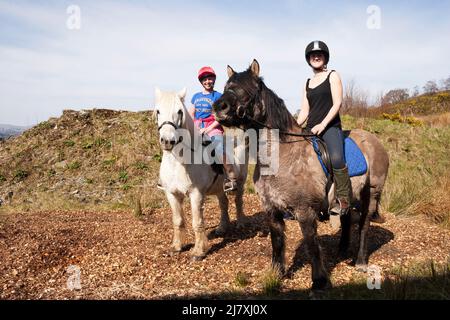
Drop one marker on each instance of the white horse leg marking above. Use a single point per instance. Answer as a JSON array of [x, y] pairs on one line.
[[179, 227], [198, 224]]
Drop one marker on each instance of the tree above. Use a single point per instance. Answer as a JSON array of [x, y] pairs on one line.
[[354, 97], [446, 84], [430, 87], [395, 96], [416, 91]]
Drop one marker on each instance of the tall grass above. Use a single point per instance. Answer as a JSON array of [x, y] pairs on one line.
[[418, 173]]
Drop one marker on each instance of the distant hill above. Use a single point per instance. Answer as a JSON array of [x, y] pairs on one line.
[[7, 130], [425, 104]]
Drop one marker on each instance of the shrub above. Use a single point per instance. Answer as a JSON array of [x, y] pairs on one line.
[[20, 175], [123, 176], [69, 143], [74, 165]]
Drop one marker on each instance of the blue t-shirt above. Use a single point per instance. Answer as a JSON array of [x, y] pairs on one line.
[[203, 103]]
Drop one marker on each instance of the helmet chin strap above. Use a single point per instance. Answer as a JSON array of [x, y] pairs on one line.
[[322, 68]]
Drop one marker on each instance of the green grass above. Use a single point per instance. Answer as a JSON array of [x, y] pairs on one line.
[[74, 165], [242, 279], [418, 159], [123, 176], [271, 282], [20, 174], [69, 143]]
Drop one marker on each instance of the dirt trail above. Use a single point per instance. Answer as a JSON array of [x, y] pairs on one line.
[[122, 257]]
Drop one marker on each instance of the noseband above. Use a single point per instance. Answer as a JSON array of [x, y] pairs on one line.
[[170, 123]]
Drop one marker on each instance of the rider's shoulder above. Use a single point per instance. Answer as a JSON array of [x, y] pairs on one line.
[[334, 74]]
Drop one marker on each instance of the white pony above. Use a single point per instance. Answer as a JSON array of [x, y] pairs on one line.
[[180, 179]]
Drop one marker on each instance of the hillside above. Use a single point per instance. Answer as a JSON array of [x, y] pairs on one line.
[[98, 158], [424, 104]]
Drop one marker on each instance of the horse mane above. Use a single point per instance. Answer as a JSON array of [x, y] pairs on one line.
[[277, 115]]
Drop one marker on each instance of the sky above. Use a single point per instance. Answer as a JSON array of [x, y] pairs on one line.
[[112, 54]]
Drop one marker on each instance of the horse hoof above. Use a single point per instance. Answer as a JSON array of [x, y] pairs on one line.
[[220, 232], [197, 258], [321, 285], [361, 267], [174, 252]]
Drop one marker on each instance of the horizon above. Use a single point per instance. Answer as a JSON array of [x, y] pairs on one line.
[[112, 54]]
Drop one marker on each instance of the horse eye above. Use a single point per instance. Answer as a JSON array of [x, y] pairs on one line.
[[157, 111], [180, 112]]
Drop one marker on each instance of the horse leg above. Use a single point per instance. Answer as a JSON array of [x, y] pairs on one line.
[[179, 227], [308, 225], [224, 217], [344, 242], [277, 226], [364, 224], [240, 216], [198, 224]]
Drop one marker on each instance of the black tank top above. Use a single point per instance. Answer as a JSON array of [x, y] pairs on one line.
[[320, 102]]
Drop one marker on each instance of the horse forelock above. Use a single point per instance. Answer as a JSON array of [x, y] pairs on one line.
[[171, 102]]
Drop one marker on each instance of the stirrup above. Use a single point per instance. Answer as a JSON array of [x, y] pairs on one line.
[[343, 211], [229, 185]]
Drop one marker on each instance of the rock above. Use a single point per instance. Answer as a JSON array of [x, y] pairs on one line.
[[60, 165]]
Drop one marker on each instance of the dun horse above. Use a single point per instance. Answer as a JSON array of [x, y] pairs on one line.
[[299, 185], [182, 178]]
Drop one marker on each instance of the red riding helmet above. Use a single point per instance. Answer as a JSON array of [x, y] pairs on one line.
[[204, 72]]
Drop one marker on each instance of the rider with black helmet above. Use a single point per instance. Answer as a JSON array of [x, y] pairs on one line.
[[321, 103], [322, 100]]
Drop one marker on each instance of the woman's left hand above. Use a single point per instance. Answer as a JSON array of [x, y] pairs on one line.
[[318, 129]]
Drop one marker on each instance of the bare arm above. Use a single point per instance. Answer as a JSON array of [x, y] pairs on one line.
[[304, 111], [192, 112]]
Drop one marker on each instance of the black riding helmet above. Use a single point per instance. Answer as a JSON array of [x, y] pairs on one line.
[[317, 46]]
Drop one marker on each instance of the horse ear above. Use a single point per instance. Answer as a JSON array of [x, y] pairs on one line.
[[230, 71], [182, 94], [157, 94], [255, 67]]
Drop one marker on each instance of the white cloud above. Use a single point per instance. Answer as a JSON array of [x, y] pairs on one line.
[[122, 51]]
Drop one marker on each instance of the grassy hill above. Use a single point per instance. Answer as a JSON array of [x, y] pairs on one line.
[[89, 159], [106, 160]]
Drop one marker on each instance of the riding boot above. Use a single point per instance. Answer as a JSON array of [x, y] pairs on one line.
[[343, 190], [230, 182]]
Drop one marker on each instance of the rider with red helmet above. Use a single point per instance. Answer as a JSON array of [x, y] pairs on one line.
[[202, 113]]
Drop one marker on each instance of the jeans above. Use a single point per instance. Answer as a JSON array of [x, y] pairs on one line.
[[334, 139]]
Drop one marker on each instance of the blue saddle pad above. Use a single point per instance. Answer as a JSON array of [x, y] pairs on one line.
[[354, 158]]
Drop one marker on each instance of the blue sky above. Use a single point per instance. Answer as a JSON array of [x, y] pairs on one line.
[[126, 48]]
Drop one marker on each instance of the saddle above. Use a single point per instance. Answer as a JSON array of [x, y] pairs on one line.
[[354, 158]]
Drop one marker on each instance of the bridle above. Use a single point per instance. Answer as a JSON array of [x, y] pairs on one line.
[[170, 123], [241, 110]]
